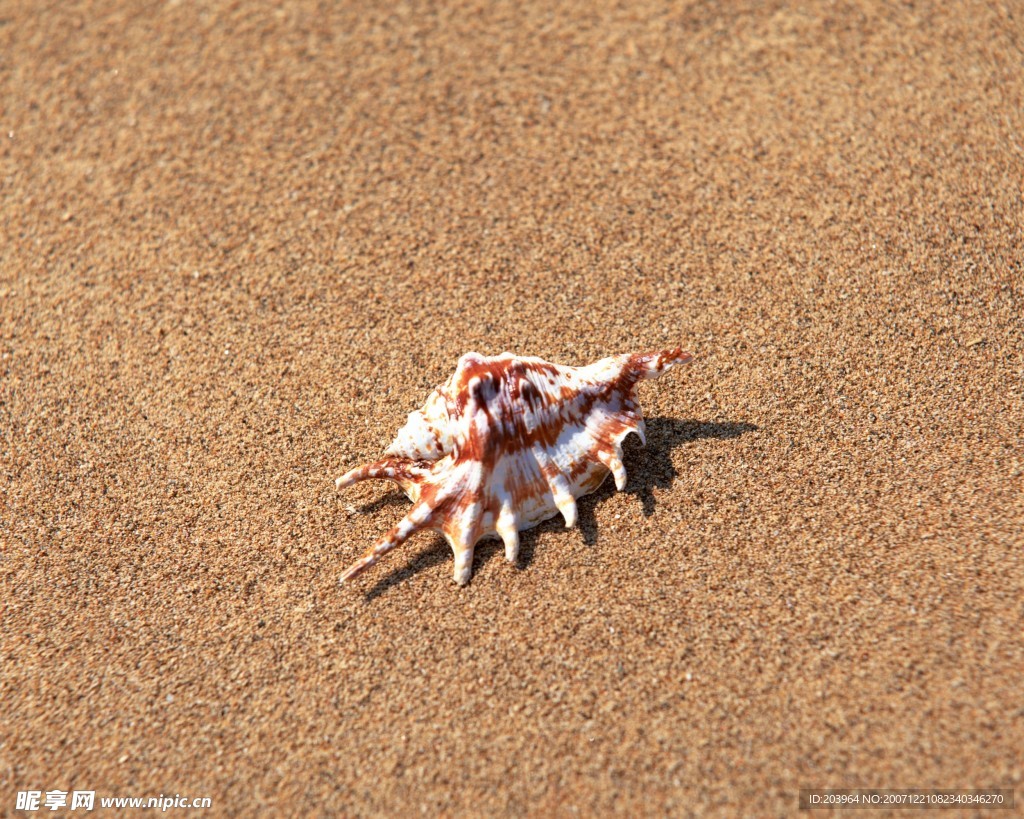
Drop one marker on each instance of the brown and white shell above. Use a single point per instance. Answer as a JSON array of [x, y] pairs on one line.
[[508, 442]]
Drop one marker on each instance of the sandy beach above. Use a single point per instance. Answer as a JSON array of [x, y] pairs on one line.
[[240, 242]]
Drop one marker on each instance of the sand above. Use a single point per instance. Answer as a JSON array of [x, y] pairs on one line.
[[238, 244]]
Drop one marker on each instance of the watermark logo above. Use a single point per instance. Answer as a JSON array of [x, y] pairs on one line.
[[86, 801]]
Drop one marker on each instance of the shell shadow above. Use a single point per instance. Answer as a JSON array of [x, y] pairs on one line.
[[393, 498], [648, 468]]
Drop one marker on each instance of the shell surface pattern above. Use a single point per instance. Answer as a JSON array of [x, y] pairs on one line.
[[508, 442]]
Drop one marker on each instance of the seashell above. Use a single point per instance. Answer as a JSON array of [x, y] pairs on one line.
[[508, 442]]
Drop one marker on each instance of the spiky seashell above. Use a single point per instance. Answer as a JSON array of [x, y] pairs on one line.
[[508, 442]]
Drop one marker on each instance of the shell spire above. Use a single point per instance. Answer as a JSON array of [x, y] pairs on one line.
[[508, 442]]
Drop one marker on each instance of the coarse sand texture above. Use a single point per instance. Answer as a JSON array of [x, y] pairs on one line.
[[240, 242]]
